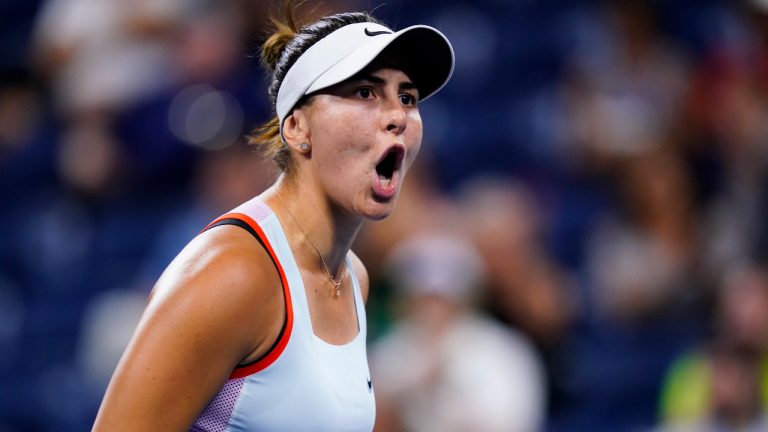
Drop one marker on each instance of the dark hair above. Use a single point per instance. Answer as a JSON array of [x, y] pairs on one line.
[[279, 52]]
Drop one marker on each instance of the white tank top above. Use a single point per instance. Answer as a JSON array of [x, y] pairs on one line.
[[303, 383]]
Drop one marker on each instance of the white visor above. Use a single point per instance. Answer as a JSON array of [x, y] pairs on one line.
[[426, 54]]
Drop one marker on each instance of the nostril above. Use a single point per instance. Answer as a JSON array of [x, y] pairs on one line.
[[396, 126]]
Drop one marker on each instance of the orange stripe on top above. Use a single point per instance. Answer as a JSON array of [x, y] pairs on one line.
[[279, 346]]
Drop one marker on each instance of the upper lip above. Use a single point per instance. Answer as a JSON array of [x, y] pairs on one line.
[[397, 150]]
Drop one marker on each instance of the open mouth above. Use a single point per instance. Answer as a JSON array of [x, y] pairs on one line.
[[386, 176], [390, 164]]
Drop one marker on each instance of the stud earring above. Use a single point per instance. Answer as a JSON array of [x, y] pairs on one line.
[[304, 147]]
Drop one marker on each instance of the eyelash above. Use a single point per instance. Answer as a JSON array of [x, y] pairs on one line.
[[411, 98], [362, 89]]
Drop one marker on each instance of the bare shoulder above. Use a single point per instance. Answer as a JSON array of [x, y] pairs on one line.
[[361, 272], [226, 276], [225, 273], [225, 265], [219, 302]]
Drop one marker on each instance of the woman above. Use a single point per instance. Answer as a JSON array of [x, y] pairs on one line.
[[259, 323]]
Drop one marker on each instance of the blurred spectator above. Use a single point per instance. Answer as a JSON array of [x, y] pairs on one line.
[[90, 160], [733, 398], [643, 297], [105, 54], [643, 257], [725, 382], [526, 288], [626, 85], [445, 366], [724, 131]]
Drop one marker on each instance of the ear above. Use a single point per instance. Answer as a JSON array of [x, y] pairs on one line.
[[296, 129]]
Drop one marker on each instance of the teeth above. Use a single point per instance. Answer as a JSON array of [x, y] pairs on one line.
[[385, 181]]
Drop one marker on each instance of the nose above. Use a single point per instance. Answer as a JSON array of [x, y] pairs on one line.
[[395, 117]]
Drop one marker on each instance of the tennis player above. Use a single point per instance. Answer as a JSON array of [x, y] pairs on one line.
[[259, 323]]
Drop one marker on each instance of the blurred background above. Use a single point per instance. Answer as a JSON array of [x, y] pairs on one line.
[[582, 245]]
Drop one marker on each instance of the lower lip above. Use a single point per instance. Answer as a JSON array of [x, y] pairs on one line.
[[384, 192]]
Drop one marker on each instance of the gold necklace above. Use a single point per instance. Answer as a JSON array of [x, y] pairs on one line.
[[336, 284]]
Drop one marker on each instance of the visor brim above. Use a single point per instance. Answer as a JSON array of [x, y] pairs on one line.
[[423, 53]]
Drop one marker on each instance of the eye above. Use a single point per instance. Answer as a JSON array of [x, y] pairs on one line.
[[364, 92], [408, 99]]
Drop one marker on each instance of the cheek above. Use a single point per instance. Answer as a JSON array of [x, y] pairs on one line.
[[413, 136], [342, 144], [342, 128], [415, 124]]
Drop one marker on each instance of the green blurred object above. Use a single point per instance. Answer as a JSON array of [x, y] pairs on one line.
[[687, 388]]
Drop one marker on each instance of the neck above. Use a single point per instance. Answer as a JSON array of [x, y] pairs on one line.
[[309, 216]]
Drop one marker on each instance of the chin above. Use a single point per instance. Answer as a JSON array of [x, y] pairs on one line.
[[378, 214], [379, 209]]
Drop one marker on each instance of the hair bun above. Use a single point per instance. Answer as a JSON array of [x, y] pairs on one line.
[[274, 46]]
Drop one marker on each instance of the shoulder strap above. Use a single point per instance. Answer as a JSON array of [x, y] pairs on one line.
[[245, 222]]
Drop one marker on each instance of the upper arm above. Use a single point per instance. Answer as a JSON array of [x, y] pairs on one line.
[[215, 304], [362, 274]]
